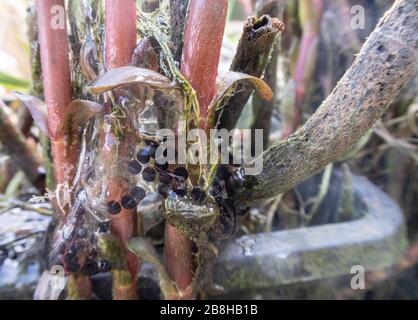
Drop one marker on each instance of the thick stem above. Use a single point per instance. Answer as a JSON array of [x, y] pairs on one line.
[[252, 57], [57, 82], [202, 47], [263, 111], [120, 19], [178, 256], [54, 49], [199, 64], [386, 62], [79, 287]]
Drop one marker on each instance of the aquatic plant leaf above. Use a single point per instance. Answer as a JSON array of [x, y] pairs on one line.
[[80, 111], [145, 250], [126, 76], [38, 110]]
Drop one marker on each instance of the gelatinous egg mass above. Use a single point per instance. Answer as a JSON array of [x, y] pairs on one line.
[[198, 194], [181, 173], [180, 192]]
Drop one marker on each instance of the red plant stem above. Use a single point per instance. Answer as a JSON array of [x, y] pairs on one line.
[[57, 84], [120, 20], [54, 48], [178, 255], [202, 47], [120, 32], [199, 64]]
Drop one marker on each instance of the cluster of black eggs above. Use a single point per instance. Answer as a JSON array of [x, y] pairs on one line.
[[94, 265], [78, 252], [153, 171], [223, 192]]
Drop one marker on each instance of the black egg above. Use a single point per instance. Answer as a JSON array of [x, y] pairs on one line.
[[149, 174], [113, 207], [128, 202], [104, 227], [90, 268], [180, 192], [198, 194], [73, 266], [223, 173], [138, 193], [181, 173], [70, 258], [143, 156], [151, 143], [78, 247], [134, 167]]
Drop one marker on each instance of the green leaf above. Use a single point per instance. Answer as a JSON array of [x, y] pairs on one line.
[[11, 83]]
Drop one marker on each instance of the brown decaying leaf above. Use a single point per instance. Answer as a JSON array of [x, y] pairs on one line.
[[231, 78]]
